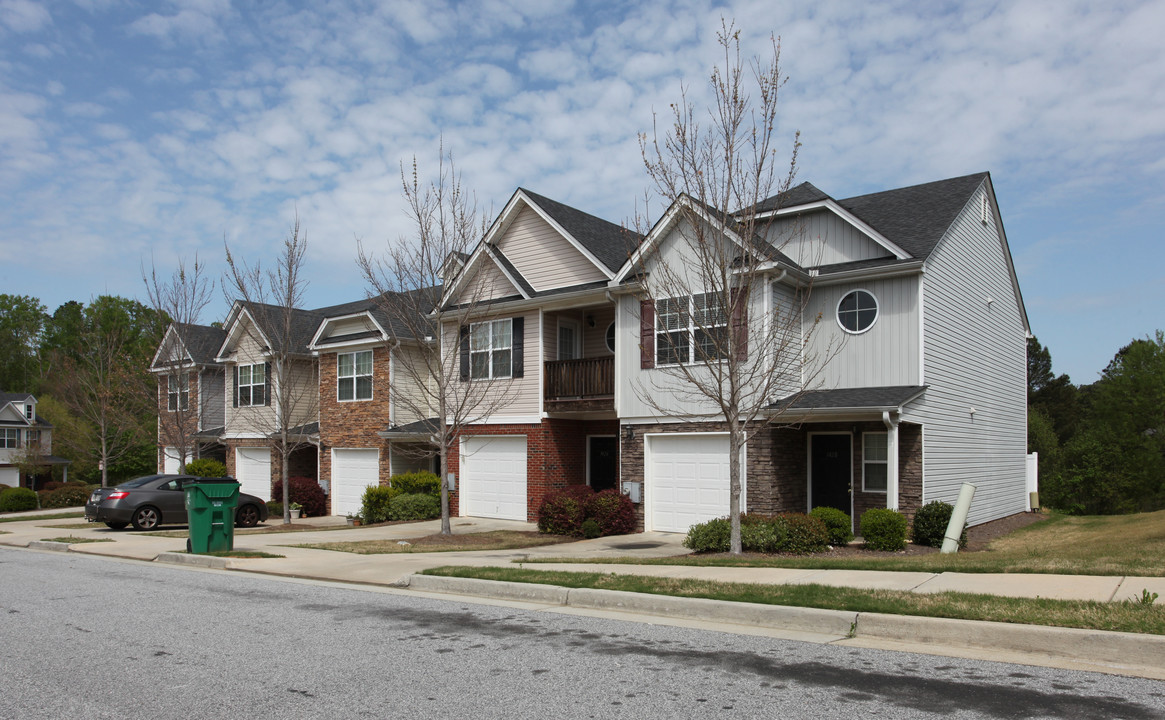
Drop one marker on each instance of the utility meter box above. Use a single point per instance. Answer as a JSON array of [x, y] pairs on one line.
[[633, 490]]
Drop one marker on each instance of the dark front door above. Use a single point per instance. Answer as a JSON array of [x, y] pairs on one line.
[[603, 463], [829, 456]]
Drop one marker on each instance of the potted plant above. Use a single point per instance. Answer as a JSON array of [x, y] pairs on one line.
[[296, 509]]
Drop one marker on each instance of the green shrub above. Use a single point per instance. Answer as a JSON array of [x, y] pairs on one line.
[[275, 508], [414, 507], [416, 483], [930, 524], [612, 511], [206, 467], [805, 534], [837, 523], [590, 529], [64, 496], [563, 510], [376, 503], [767, 536], [17, 499], [711, 536], [884, 529]]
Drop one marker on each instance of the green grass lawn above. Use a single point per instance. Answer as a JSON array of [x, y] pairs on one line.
[[70, 540], [1061, 544], [494, 540], [1127, 616], [56, 516]]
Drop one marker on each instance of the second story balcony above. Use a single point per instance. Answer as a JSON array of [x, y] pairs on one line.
[[581, 385]]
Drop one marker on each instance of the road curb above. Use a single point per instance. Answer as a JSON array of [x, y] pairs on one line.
[[48, 545], [1118, 648], [206, 561], [1093, 646]]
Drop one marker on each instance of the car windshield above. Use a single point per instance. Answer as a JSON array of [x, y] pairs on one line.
[[138, 482]]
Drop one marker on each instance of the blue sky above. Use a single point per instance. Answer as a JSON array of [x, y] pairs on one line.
[[131, 130]]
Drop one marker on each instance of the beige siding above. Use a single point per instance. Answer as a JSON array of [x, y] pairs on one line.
[[595, 338], [246, 420], [487, 283], [822, 238], [886, 354], [543, 256], [975, 358], [411, 400], [501, 398], [348, 327]]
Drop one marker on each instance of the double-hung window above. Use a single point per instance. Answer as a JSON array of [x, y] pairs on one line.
[[33, 438], [491, 346], [252, 380], [178, 392], [9, 438], [354, 375], [874, 461], [691, 328]]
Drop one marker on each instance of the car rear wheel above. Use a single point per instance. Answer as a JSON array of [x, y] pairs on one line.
[[117, 525], [146, 518], [247, 516]]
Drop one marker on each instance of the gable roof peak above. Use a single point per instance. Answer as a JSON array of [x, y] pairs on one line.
[[608, 242]]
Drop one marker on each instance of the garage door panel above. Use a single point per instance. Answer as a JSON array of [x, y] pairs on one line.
[[493, 477], [353, 470], [688, 480], [253, 471]]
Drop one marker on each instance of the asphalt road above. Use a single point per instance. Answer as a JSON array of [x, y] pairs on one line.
[[87, 637]]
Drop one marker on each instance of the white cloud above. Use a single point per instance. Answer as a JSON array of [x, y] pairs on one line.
[[23, 16]]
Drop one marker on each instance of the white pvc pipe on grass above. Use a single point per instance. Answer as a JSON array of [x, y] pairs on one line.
[[958, 519]]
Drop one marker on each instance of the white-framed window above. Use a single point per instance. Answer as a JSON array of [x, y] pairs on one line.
[[9, 438], [569, 339], [29, 410], [178, 392], [689, 329], [252, 380], [857, 311], [611, 337], [32, 438], [491, 346], [874, 461], [354, 375]]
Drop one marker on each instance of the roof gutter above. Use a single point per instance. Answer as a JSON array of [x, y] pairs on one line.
[[878, 271]]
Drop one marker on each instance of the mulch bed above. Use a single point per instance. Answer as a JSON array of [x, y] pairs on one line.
[[978, 537]]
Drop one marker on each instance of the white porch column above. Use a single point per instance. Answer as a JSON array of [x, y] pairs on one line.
[[891, 460]]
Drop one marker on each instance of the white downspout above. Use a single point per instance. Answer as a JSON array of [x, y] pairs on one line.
[[891, 460]]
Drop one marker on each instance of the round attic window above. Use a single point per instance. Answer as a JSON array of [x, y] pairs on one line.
[[857, 312], [611, 337]]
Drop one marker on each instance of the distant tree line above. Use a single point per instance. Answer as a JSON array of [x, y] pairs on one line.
[[87, 365], [1101, 446]]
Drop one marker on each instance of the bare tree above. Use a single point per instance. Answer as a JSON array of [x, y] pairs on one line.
[[429, 320], [281, 327], [178, 302], [722, 300]]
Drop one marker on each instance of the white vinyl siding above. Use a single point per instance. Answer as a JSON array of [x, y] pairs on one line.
[[822, 238], [544, 257], [411, 400], [975, 355], [885, 354]]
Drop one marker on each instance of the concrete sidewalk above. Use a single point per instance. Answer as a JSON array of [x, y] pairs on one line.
[[1109, 652]]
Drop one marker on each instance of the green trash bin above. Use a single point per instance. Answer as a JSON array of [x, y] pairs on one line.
[[210, 510]]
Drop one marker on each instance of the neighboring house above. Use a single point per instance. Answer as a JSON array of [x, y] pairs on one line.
[[191, 395], [926, 390], [25, 439]]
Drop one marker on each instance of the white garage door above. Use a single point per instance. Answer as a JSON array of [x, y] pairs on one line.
[[493, 477], [170, 460], [687, 480], [9, 476], [253, 471], [352, 471]]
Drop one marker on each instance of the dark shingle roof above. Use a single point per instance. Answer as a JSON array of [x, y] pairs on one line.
[[612, 244], [202, 341], [803, 194], [850, 398], [513, 272], [7, 397], [421, 427]]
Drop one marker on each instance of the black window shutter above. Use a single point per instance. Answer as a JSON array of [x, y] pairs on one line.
[[235, 392], [519, 345], [266, 383], [464, 352]]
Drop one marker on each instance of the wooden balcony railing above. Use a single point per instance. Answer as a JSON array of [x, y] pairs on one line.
[[584, 378]]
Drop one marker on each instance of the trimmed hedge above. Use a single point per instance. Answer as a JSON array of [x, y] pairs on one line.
[[414, 507], [930, 524], [884, 529], [17, 499], [570, 510], [837, 523], [376, 503], [206, 467], [416, 483], [306, 492], [788, 533], [66, 496]]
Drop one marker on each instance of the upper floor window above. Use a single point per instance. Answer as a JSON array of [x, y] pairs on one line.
[[689, 329], [33, 438], [9, 438], [491, 346], [29, 411], [354, 375], [252, 384], [874, 461], [857, 311], [178, 392]]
